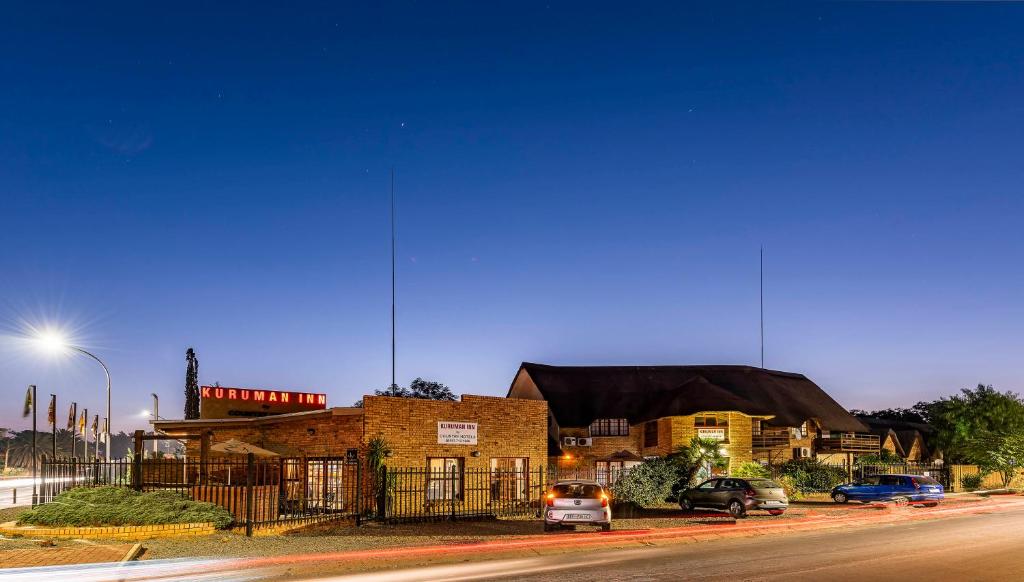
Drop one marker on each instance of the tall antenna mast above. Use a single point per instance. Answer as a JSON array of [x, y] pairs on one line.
[[392, 387], [762, 306]]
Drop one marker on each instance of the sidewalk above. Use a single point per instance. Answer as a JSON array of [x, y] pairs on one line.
[[57, 556]]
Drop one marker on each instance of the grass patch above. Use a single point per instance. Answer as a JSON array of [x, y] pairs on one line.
[[85, 506]]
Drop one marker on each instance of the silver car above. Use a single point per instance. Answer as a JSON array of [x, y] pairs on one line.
[[577, 502]]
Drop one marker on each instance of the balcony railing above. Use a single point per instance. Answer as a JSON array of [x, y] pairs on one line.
[[848, 443], [771, 438]]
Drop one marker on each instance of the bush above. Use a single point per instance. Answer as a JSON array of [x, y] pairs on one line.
[[752, 470], [789, 486], [972, 482], [113, 506], [810, 476], [646, 484]]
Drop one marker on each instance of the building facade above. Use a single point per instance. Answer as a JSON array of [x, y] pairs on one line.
[[607, 418]]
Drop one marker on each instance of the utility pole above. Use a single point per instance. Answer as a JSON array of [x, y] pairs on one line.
[[762, 306], [393, 384]]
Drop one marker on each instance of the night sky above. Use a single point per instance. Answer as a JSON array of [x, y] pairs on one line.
[[577, 184]]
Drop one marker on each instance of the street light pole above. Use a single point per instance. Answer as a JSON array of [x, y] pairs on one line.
[[110, 418], [156, 416]]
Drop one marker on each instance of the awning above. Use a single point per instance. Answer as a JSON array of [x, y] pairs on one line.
[[237, 447]]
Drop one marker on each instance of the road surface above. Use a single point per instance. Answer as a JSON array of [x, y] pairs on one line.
[[8, 488], [988, 547]]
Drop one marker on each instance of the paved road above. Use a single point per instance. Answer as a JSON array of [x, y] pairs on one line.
[[987, 547], [7, 489]]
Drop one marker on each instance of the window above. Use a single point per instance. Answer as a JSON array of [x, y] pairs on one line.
[[710, 421], [708, 485], [651, 433], [577, 491], [609, 427], [510, 479], [445, 479]]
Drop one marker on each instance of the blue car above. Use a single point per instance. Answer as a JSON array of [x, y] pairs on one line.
[[898, 488]]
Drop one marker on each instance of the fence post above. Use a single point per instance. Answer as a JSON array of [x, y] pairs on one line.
[[454, 469], [249, 474], [359, 492], [96, 471], [137, 462], [41, 498]]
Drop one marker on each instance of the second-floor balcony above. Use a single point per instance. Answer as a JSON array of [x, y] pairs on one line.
[[848, 443], [771, 438]]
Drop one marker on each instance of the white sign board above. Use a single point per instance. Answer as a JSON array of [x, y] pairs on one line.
[[716, 434], [456, 433]]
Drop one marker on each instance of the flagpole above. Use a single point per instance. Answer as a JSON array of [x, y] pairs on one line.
[[74, 421], [53, 422], [35, 474], [84, 424]]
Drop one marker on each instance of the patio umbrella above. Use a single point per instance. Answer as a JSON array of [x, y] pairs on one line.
[[237, 447]]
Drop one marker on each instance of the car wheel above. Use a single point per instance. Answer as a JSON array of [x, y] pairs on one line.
[[840, 497], [736, 509], [606, 527], [776, 511], [931, 504], [686, 504]]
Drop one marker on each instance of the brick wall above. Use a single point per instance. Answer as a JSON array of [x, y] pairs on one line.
[[507, 427]]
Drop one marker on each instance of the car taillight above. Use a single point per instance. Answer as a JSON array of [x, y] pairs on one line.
[[750, 492], [551, 499], [604, 501], [915, 483]]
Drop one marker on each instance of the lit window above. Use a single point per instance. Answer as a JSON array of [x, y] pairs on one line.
[[707, 420], [445, 479], [651, 433]]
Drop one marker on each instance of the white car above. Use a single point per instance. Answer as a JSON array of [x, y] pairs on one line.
[[577, 502]]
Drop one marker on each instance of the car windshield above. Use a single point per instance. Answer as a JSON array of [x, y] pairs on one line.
[[763, 484], [577, 491], [921, 479]]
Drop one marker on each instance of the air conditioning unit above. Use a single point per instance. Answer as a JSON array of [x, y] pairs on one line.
[[569, 441], [802, 453], [584, 441]]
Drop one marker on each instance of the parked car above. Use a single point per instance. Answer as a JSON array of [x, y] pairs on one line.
[[577, 502], [898, 488], [736, 495]]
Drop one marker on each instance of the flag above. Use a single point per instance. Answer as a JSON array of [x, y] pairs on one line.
[[51, 412], [71, 417], [28, 403], [106, 428], [95, 425], [81, 423]]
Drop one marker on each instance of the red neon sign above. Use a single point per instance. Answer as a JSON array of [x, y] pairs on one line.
[[264, 396]]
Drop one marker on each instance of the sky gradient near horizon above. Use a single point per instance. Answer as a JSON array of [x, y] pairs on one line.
[[576, 183]]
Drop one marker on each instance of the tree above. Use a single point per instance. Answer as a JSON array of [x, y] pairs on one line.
[[418, 388], [999, 453], [191, 385], [700, 454], [968, 422], [915, 414]]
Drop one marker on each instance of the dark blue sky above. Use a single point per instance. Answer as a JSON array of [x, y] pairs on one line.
[[577, 184]]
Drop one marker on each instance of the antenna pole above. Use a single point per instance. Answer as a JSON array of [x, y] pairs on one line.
[[762, 306], [391, 388]]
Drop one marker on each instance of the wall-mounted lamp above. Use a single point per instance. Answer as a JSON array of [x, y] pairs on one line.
[[311, 431], [475, 454], [388, 454]]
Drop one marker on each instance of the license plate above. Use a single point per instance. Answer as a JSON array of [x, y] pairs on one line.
[[769, 502], [577, 516]]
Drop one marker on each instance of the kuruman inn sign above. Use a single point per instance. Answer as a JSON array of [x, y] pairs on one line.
[[224, 402], [456, 433]]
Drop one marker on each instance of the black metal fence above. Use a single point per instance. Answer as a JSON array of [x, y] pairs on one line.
[[451, 493], [939, 473]]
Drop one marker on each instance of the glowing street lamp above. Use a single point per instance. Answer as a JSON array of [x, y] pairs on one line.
[[56, 343]]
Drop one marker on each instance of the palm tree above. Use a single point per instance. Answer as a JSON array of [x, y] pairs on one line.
[[697, 455]]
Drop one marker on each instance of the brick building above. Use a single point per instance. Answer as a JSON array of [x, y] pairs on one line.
[[607, 418], [476, 432]]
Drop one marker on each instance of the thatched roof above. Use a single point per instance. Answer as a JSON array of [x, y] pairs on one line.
[[577, 395]]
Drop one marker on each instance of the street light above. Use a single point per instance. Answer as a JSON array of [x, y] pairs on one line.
[[56, 343]]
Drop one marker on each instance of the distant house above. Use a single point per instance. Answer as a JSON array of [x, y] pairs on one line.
[[909, 440], [610, 417]]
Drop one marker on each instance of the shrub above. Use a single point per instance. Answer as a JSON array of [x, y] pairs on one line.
[[752, 470], [113, 506], [810, 476], [789, 486], [646, 484], [972, 482]]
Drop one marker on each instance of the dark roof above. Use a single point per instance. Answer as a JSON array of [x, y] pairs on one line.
[[577, 395]]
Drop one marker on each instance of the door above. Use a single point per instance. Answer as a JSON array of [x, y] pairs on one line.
[[866, 488], [509, 478], [702, 494], [727, 489], [890, 486]]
